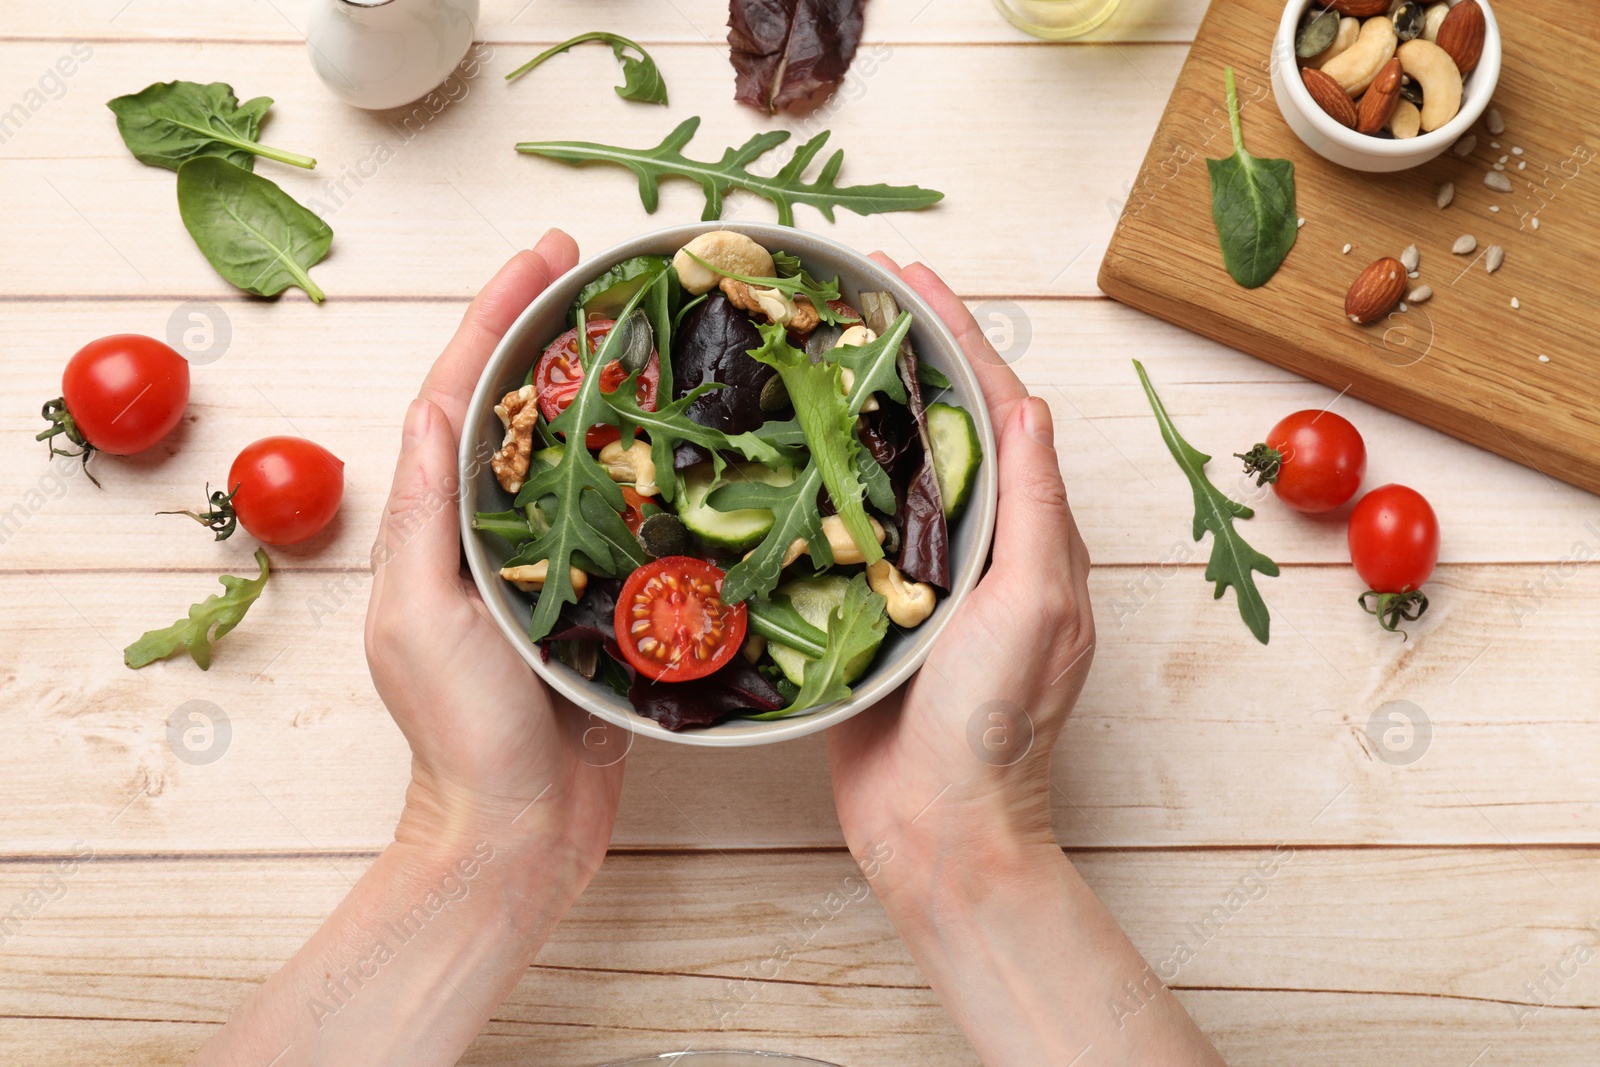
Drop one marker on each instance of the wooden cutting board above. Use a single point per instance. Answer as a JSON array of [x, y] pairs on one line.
[[1466, 362]]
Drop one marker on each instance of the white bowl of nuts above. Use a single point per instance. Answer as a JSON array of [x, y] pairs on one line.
[[1380, 85]]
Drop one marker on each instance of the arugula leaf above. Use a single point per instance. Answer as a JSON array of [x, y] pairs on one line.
[[169, 123], [1253, 204], [794, 506], [817, 392], [785, 189], [641, 79], [208, 621], [257, 236], [857, 625], [626, 552], [511, 525], [880, 491], [670, 423], [801, 284], [1232, 560], [777, 620]]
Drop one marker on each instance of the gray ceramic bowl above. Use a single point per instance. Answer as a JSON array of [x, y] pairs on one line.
[[902, 652]]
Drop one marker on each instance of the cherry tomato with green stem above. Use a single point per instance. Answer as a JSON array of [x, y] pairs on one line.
[[1394, 545], [120, 395], [1315, 461], [283, 490]]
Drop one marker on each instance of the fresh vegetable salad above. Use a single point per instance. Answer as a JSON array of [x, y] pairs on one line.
[[726, 517]]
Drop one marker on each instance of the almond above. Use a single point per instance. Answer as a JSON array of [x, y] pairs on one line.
[[1361, 8], [1461, 34], [1379, 101], [1376, 291], [1330, 96]]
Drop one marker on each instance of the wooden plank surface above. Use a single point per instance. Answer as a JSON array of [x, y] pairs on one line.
[[1468, 361], [1186, 734], [1386, 956]]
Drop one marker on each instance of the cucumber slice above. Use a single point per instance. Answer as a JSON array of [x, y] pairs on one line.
[[956, 454], [815, 599], [733, 530], [607, 295]]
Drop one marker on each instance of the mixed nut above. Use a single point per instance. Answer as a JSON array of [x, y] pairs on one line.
[[1390, 69]]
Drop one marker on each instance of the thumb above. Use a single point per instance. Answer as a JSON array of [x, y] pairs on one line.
[[1034, 522], [418, 550]]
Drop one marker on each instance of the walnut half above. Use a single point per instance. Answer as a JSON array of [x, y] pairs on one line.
[[519, 412], [796, 313]]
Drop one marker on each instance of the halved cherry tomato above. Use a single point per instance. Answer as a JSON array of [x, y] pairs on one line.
[[634, 515], [671, 621], [559, 374], [1315, 460]]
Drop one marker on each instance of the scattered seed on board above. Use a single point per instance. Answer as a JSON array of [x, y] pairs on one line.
[[1420, 294], [1494, 144], [1447, 193], [1497, 181], [1346, 250], [1499, 166], [1465, 146], [1516, 150], [1504, 158], [1495, 208], [1543, 358], [1493, 258], [1410, 258], [1414, 274], [1515, 303], [1465, 245], [1523, 165], [1403, 307], [1496, 124], [1299, 223], [1536, 223]]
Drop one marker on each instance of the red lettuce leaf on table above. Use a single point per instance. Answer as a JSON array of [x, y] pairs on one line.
[[677, 705], [788, 51]]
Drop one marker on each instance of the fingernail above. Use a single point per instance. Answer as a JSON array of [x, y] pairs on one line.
[[543, 236], [1037, 421], [418, 415]]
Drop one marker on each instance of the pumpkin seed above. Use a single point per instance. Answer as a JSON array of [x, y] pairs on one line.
[[774, 395], [1411, 91], [636, 341], [663, 535], [1317, 31], [891, 538], [1409, 20]]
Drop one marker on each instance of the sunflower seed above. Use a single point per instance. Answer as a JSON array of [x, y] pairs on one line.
[[1544, 358], [1347, 250], [1516, 150], [1497, 181], [1515, 304], [1495, 208], [1496, 124], [1447, 193], [1536, 222], [1420, 294], [1493, 257], [1410, 258], [1465, 146], [1465, 245]]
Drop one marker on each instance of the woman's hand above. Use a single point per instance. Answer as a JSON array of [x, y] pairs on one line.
[[944, 794], [494, 754], [961, 759]]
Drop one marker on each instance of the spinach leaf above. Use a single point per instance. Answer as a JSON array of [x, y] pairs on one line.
[[785, 189], [170, 123], [856, 626], [1253, 204], [208, 621], [641, 80], [255, 234], [1233, 562]]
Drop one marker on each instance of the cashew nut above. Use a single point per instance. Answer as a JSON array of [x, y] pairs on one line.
[[726, 250], [855, 337], [1349, 30], [633, 464], [843, 546], [1406, 120], [847, 378], [1433, 20], [529, 577], [909, 603], [1432, 68], [1355, 68]]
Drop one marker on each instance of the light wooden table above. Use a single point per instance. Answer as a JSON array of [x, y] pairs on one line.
[[1418, 914]]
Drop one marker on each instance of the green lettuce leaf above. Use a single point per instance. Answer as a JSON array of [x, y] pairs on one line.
[[857, 626]]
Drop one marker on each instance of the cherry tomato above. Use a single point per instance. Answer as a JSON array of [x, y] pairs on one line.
[[559, 374], [1314, 459], [1394, 539], [633, 516], [120, 394], [286, 489], [671, 621]]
